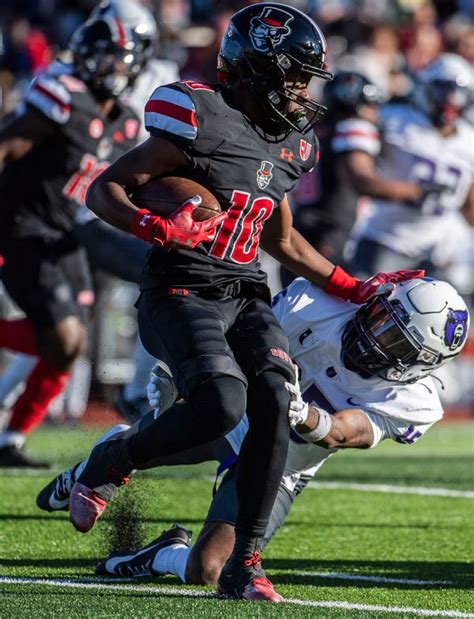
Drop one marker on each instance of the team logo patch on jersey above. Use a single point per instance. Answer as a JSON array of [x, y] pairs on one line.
[[305, 149], [455, 330], [96, 128], [264, 174], [269, 28]]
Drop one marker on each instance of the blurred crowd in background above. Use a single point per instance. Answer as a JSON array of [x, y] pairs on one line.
[[387, 40]]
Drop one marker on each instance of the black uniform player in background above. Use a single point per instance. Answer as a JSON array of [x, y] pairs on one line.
[[204, 309], [349, 124], [72, 126]]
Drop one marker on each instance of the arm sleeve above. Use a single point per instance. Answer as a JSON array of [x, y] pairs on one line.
[[48, 95], [399, 430], [356, 134], [171, 113]]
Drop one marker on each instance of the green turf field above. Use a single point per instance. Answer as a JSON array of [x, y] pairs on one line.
[[344, 552]]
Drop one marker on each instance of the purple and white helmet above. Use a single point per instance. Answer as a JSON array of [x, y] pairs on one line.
[[405, 335]]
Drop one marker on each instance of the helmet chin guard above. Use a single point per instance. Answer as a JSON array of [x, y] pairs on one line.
[[272, 49], [405, 335]]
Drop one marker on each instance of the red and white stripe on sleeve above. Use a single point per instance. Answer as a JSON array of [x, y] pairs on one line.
[[51, 97], [356, 134], [172, 111]]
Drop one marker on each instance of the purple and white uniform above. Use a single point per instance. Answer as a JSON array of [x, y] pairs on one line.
[[314, 322], [413, 150]]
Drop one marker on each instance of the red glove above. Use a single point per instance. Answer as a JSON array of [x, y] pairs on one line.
[[344, 286], [179, 229]]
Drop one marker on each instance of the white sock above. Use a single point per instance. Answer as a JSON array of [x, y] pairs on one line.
[[9, 438], [16, 372], [172, 560], [144, 364]]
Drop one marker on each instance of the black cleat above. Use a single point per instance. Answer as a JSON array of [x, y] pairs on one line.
[[55, 496], [130, 410], [245, 580], [140, 563], [13, 456]]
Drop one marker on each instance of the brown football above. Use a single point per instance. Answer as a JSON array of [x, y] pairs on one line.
[[165, 194]]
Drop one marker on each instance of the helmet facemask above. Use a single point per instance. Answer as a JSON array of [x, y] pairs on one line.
[[104, 64], [379, 341]]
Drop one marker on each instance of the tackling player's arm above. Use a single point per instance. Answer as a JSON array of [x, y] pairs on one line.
[[19, 136], [286, 245], [360, 168], [348, 428], [468, 207], [108, 194]]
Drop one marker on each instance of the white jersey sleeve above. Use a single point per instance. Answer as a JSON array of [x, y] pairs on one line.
[[356, 134], [398, 430], [51, 97], [171, 111]]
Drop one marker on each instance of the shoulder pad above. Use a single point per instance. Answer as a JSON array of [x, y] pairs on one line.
[[356, 134], [171, 110], [50, 97]]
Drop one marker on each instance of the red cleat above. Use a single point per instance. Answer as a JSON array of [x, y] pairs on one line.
[[85, 507], [246, 580], [261, 589]]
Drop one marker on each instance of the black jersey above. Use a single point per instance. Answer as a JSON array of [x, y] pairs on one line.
[[326, 216], [40, 193], [248, 172]]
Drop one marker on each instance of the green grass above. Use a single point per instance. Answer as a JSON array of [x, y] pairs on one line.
[[345, 531]]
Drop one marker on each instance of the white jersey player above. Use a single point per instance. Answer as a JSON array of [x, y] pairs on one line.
[[364, 375], [430, 146]]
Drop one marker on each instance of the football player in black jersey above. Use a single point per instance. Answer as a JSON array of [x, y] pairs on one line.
[[71, 127], [204, 308]]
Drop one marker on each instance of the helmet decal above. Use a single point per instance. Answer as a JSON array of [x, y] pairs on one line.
[[264, 174], [269, 28], [455, 330]]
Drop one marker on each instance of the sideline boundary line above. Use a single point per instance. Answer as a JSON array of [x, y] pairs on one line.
[[178, 591]]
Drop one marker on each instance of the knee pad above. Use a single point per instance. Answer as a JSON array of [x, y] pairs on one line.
[[196, 371], [220, 403]]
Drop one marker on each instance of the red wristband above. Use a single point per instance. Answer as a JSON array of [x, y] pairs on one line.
[[341, 284], [143, 225]]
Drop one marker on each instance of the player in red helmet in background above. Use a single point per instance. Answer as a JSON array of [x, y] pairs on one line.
[[71, 127]]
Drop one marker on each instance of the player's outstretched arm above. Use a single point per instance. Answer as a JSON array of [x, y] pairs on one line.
[[361, 170], [286, 245], [108, 194], [348, 428], [19, 135]]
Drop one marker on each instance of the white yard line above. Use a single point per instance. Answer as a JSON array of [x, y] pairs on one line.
[[390, 488], [182, 591], [381, 579]]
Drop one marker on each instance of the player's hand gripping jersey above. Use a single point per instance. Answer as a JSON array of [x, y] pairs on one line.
[[41, 193], [247, 171], [413, 150]]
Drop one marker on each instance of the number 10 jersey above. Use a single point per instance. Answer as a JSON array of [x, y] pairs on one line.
[[248, 171]]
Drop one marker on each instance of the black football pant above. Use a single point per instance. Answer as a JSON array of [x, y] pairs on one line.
[[227, 356]]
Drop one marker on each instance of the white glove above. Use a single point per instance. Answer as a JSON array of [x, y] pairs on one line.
[[298, 411], [161, 391]]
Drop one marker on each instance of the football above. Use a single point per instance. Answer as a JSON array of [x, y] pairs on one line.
[[165, 194]]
